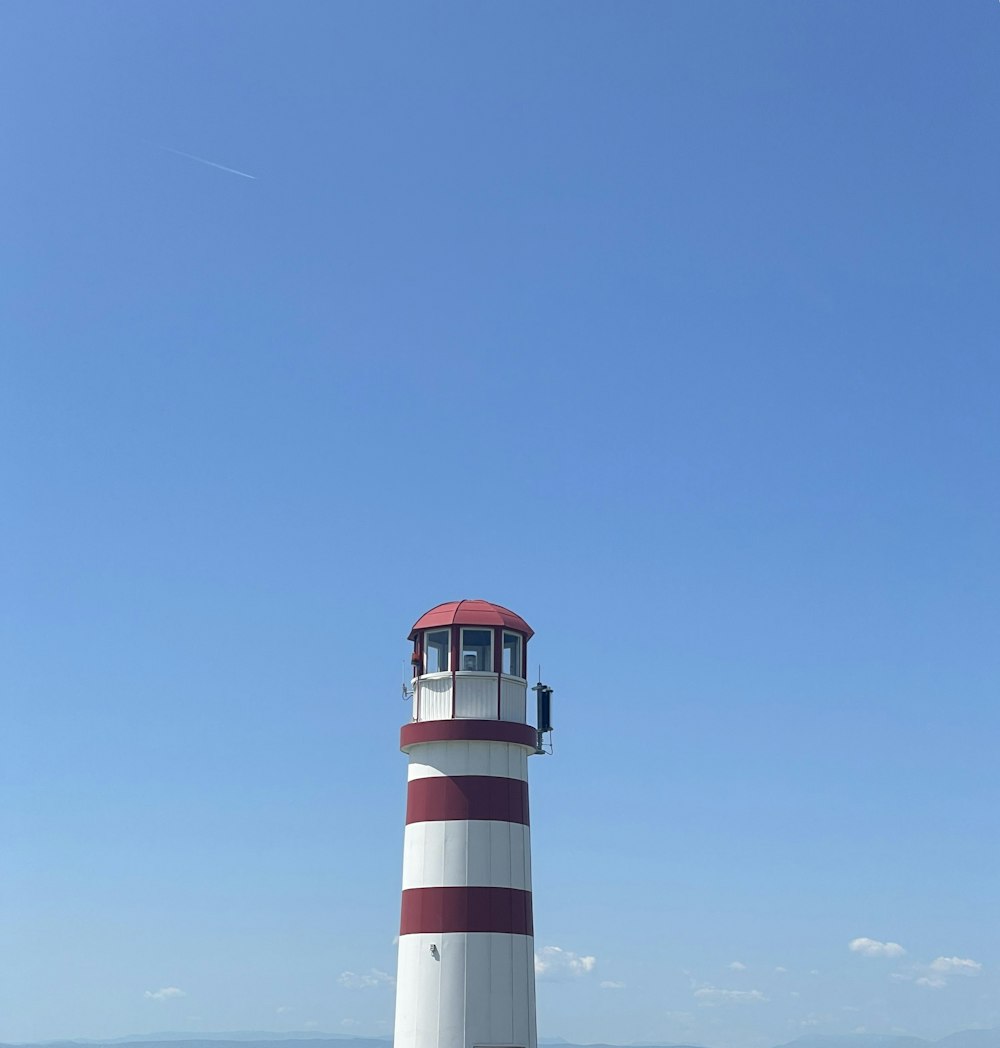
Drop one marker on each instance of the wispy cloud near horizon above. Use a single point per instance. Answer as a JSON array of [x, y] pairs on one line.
[[713, 995], [956, 966], [365, 980], [874, 948], [166, 993], [553, 962]]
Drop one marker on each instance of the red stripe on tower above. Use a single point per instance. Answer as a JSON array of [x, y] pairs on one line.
[[442, 798], [466, 909], [467, 731]]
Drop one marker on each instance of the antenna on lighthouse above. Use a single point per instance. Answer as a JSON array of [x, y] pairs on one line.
[[544, 720]]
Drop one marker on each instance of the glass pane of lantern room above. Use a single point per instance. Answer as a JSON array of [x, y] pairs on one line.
[[436, 645], [477, 650], [512, 654]]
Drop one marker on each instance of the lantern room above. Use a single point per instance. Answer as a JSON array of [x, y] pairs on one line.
[[470, 661]]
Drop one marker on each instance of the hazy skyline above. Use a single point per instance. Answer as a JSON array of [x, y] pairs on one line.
[[672, 326]]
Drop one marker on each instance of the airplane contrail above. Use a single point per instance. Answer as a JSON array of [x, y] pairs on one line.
[[211, 163]]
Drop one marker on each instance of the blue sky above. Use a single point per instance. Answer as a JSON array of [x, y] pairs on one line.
[[673, 327]]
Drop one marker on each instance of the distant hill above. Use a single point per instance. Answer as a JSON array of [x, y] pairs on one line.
[[971, 1039], [285, 1040], [857, 1040], [262, 1039], [236, 1036], [963, 1039], [222, 1041]]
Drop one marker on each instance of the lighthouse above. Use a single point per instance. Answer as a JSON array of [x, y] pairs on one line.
[[466, 975]]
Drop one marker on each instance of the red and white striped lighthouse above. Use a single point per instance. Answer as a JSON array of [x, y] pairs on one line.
[[466, 975]]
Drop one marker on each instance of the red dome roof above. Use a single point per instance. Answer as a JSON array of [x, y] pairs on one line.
[[471, 613]]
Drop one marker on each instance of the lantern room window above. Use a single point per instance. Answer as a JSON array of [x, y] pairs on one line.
[[437, 646], [512, 655], [477, 651]]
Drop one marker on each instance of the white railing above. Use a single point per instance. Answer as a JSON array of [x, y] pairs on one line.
[[477, 696]]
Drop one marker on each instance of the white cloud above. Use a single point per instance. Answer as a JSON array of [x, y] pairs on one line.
[[553, 962], [942, 968], [712, 995], [282, 1009], [610, 984], [938, 972], [956, 966], [874, 948], [349, 1024], [737, 966], [167, 993], [780, 970], [365, 980]]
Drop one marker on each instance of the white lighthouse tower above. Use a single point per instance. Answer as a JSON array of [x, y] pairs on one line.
[[466, 975]]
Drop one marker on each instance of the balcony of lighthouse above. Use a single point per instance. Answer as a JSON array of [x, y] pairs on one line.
[[470, 673]]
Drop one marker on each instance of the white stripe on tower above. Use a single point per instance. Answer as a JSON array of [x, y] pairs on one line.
[[453, 758], [464, 851]]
